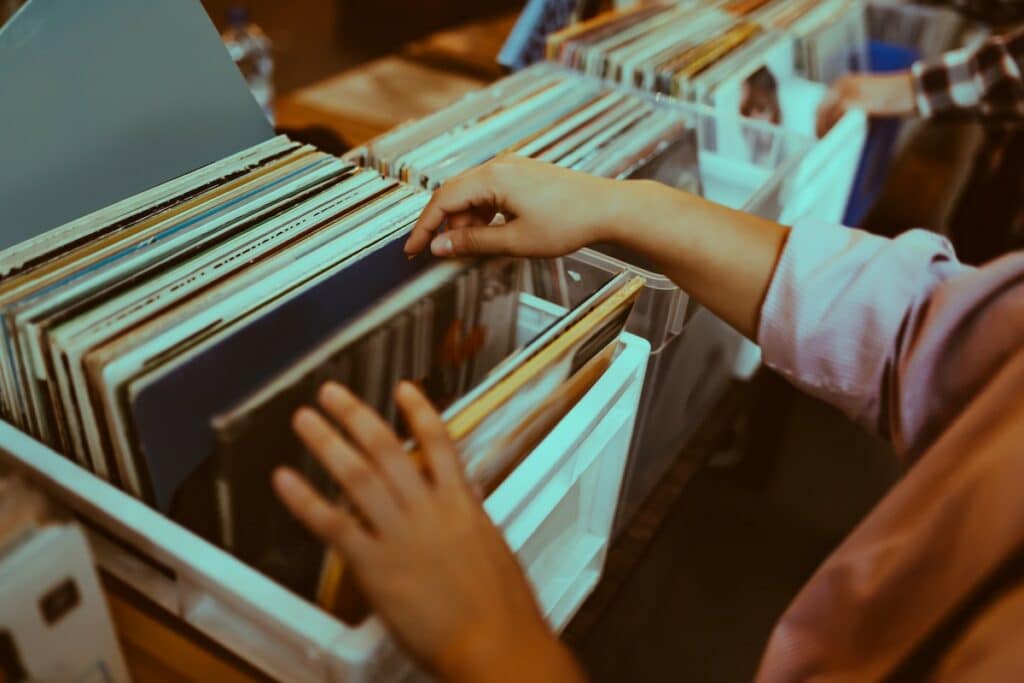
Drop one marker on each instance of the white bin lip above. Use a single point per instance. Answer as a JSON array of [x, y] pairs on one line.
[[506, 500], [612, 264], [165, 541]]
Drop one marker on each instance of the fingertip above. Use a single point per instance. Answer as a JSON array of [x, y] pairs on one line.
[[332, 391], [405, 389], [442, 245], [285, 481], [303, 418]]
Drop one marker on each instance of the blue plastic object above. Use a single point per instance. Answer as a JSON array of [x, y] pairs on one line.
[[882, 134]]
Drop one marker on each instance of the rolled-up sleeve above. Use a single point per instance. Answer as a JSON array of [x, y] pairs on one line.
[[837, 306]]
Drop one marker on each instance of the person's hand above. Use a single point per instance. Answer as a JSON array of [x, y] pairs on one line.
[[876, 94], [547, 211], [422, 548]]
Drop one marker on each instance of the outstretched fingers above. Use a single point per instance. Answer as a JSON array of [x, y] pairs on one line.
[[331, 523], [379, 444], [362, 484], [431, 435]]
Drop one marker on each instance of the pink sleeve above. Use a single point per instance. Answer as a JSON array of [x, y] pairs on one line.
[[837, 306], [930, 353]]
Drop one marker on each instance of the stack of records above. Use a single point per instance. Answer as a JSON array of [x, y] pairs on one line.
[[164, 342], [666, 48], [689, 49], [830, 38], [123, 329], [547, 113]]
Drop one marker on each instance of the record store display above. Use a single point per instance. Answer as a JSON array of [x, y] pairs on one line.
[[155, 347], [764, 60], [164, 342], [547, 113], [123, 327], [690, 50]]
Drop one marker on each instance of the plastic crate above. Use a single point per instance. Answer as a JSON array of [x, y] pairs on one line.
[[556, 510], [690, 367]]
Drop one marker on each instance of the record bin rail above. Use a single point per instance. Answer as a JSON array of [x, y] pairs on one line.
[[556, 510]]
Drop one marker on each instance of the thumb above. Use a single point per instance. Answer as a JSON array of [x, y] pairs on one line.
[[477, 241]]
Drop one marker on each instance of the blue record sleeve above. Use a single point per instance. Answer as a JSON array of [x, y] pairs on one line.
[[172, 414]]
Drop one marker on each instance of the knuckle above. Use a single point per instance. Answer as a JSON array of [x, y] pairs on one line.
[[423, 421], [304, 508], [440, 446], [502, 168], [468, 240], [351, 415], [379, 442], [494, 172], [355, 475], [338, 528], [323, 440]]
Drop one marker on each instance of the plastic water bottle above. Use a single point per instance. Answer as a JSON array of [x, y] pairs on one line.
[[253, 53]]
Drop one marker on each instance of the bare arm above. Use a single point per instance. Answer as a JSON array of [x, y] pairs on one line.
[[723, 258]]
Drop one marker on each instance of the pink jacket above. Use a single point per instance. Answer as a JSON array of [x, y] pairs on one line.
[[929, 353]]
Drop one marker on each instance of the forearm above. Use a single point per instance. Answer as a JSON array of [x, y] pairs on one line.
[[723, 258]]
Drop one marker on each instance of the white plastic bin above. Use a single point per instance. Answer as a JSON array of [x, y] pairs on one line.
[[692, 359], [556, 510]]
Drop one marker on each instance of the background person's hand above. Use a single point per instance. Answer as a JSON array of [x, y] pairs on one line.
[[547, 211], [877, 94], [423, 549]]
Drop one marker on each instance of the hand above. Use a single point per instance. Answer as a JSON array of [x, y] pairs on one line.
[[547, 211], [878, 95], [422, 548]]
